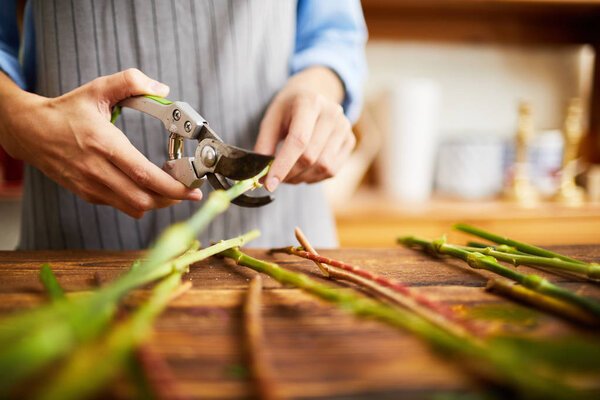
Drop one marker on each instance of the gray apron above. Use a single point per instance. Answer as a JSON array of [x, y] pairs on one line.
[[226, 58]]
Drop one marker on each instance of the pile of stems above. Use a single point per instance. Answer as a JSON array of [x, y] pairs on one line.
[[31, 340], [92, 365], [507, 364], [478, 260], [520, 246], [591, 270], [402, 295]]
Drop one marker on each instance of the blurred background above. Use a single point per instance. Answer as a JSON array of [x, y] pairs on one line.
[[480, 111]]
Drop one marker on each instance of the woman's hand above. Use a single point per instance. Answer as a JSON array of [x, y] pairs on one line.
[[70, 139], [317, 136]]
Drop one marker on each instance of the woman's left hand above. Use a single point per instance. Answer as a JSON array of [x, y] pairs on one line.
[[317, 136]]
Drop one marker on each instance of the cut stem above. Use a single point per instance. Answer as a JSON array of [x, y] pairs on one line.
[[31, 340], [546, 303], [50, 283], [478, 260], [404, 295], [260, 368], [590, 271], [524, 247], [303, 240], [92, 365], [503, 360]]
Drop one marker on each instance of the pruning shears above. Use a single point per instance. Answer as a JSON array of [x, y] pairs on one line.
[[213, 160]]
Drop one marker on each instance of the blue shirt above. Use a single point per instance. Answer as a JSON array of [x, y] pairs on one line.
[[328, 33]]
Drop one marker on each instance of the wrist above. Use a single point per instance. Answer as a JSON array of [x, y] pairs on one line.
[[319, 79]]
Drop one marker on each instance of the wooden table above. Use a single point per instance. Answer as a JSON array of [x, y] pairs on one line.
[[316, 349]]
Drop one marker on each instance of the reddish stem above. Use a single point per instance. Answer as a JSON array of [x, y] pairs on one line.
[[395, 286]]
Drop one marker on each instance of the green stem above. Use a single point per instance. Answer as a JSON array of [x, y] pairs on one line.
[[506, 362], [478, 260], [50, 283], [33, 339], [524, 247], [551, 304], [591, 270], [91, 366]]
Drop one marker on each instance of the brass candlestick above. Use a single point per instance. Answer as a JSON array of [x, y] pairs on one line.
[[521, 189], [569, 193]]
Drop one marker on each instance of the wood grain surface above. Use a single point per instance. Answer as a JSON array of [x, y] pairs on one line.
[[317, 350]]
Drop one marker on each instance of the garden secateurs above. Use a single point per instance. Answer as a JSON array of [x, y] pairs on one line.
[[213, 160]]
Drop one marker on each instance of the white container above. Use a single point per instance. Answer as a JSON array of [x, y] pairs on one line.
[[409, 152], [471, 168]]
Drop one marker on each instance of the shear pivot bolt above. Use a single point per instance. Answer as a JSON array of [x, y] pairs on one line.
[[176, 114], [188, 126], [209, 156]]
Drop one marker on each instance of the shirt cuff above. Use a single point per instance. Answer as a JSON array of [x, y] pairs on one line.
[[10, 65], [346, 63]]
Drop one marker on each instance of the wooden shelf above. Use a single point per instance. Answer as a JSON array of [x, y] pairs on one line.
[[372, 220]]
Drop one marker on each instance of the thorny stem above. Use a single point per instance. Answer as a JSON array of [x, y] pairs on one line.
[[524, 247], [439, 315], [408, 298], [503, 359], [260, 369], [478, 260]]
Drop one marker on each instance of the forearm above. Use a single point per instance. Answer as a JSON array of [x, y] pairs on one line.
[[13, 101]]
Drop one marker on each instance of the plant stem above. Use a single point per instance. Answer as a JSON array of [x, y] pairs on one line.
[[157, 375], [394, 291], [505, 362], [524, 247], [591, 270], [478, 260], [303, 240], [50, 283], [260, 369], [33, 339], [91, 366], [547, 303]]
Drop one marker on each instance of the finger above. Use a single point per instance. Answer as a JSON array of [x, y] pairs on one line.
[[131, 82], [105, 195], [321, 134], [302, 122], [94, 191], [333, 156], [143, 172], [270, 132], [134, 195]]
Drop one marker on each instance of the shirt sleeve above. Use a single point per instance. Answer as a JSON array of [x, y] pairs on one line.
[[333, 34], [9, 43]]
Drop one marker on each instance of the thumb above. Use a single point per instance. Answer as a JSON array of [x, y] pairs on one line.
[[131, 82]]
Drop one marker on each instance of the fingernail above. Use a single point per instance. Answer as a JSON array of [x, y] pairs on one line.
[[159, 87], [272, 183], [195, 194]]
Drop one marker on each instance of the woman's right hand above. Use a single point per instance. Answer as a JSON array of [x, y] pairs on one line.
[[71, 140]]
